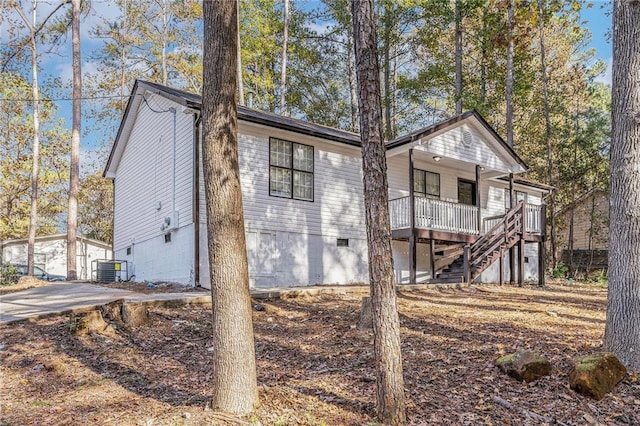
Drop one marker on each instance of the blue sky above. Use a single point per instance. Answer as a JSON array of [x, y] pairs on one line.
[[596, 19]]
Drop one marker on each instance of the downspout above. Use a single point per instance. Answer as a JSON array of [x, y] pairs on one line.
[[196, 199], [173, 178]]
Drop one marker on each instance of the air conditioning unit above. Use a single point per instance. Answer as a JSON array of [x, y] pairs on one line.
[[170, 222]]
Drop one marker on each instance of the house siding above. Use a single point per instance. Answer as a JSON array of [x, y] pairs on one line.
[[144, 194], [294, 242]]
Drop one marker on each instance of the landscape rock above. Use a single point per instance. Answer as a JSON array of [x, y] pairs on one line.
[[525, 365], [135, 314], [596, 375]]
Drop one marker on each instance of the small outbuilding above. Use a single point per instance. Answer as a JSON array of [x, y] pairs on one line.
[[50, 253]]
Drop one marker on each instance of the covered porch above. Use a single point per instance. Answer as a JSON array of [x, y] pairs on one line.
[[458, 185]]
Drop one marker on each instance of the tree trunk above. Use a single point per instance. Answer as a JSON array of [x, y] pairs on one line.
[[509, 80], [386, 327], [386, 67], [353, 90], [283, 75], [165, 37], [234, 369], [622, 331], [458, 17], [35, 165], [240, 80], [74, 176], [547, 136]]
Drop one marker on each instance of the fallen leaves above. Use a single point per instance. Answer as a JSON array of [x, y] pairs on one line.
[[315, 367]]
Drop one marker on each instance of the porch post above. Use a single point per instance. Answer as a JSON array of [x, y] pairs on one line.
[[501, 267], [479, 204], [412, 223], [542, 255], [521, 245], [432, 258], [512, 250]]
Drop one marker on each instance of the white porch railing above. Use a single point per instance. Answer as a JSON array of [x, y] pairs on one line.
[[453, 217], [533, 218], [435, 214]]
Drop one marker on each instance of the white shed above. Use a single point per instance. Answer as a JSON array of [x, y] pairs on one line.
[[50, 253]]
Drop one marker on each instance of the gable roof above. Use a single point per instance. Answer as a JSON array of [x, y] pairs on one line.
[[441, 126], [194, 102], [191, 101]]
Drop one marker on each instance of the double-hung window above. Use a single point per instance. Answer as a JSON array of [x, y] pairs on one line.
[[290, 170], [426, 183]]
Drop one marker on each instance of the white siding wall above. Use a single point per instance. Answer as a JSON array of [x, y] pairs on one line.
[[144, 193], [293, 242]]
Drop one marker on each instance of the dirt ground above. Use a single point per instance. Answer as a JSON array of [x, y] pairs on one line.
[[316, 368]]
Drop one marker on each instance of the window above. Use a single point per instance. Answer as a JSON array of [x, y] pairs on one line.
[[128, 251], [426, 183], [167, 237], [466, 192], [290, 170]]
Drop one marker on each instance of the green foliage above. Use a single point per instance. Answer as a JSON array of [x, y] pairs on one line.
[[560, 271], [8, 275]]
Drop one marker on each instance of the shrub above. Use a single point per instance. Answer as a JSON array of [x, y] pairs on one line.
[[8, 275]]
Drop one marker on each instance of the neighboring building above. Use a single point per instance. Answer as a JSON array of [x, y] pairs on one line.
[[303, 198], [50, 253], [585, 245]]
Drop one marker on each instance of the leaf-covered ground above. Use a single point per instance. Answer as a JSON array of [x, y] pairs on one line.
[[315, 367]]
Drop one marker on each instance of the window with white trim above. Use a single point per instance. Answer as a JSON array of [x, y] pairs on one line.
[[426, 183], [290, 170]]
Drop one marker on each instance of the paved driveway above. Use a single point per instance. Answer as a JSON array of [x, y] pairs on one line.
[[56, 298]]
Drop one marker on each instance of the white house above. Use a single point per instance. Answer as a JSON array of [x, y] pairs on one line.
[[303, 198], [50, 253]]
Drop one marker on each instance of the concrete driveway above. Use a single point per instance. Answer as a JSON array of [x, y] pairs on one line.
[[56, 298], [64, 297]]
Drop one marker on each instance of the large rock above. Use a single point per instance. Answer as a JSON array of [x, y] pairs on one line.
[[596, 375], [525, 366]]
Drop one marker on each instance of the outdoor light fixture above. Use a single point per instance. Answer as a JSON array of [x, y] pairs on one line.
[[436, 158]]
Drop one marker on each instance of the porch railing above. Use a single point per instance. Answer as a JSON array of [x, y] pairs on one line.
[[532, 219], [435, 214], [454, 217]]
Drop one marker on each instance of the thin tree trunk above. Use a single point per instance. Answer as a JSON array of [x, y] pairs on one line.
[[353, 90], [234, 370], [283, 75], [483, 61], [35, 165], [547, 136], [458, 18], [386, 327], [165, 30], [622, 330], [123, 60], [509, 80], [240, 81], [74, 176]]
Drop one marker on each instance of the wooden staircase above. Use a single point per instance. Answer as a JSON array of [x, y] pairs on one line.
[[493, 245], [472, 260]]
